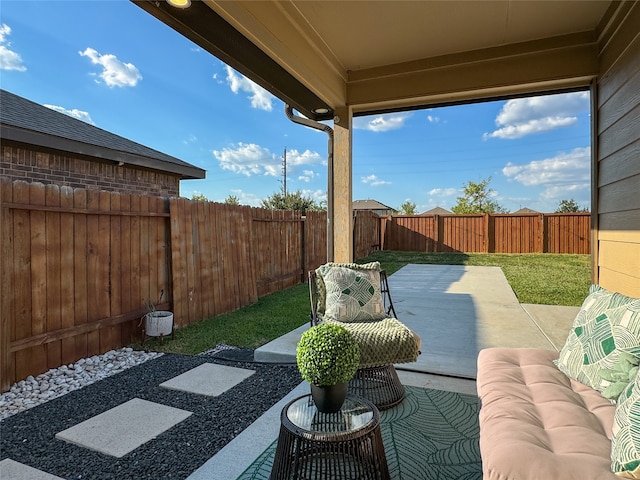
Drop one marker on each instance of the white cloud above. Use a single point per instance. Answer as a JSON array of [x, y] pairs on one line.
[[374, 181], [381, 123], [443, 192], [295, 158], [564, 173], [433, 119], [308, 175], [318, 196], [526, 116], [9, 60], [114, 72], [192, 139], [75, 113], [260, 98], [249, 159], [246, 198]]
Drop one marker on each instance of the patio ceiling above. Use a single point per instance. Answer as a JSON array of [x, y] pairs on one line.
[[386, 55]]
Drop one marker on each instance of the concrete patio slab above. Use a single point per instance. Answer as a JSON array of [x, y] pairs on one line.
[[555, 321], [208, 379], [282, 349], [457, 310], [12, 470], [124, 428]]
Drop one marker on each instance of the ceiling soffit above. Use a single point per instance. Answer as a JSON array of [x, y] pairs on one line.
[[385, 55], [396, 54]]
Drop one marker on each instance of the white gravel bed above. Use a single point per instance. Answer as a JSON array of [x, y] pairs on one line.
[[56, 382]]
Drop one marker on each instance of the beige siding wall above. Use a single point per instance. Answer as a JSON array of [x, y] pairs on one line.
[[618, 152]]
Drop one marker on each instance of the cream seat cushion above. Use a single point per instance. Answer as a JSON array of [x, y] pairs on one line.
[[536, 423]]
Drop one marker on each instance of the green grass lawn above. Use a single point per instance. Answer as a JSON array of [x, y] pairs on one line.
[[535, 278]]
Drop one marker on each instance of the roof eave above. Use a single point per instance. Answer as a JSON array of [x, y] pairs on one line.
[[206, 28], [30, 137]]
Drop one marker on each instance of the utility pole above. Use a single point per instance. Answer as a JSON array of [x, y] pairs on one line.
[[284, 163]]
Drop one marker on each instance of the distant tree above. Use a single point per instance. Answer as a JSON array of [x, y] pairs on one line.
[[291, 201], [232, 200], [476, 198], [199, 197], [408, 208], [568, 206]]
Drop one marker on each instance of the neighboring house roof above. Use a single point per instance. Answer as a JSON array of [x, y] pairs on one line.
[[24, 121], [369, 205], [526, 210], [437, 211]]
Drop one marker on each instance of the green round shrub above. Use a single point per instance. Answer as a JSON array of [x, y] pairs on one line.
[[327, 354]]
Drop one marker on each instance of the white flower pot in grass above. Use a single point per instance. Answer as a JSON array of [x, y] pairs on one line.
[[158, 323]]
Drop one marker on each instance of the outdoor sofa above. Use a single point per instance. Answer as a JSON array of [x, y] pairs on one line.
[[569, 415]]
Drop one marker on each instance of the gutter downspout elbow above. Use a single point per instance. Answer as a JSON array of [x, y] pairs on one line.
[[288, 110]]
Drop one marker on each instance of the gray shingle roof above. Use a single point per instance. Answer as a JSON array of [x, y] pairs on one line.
[[369, 205], [437, 211], [22, 120]]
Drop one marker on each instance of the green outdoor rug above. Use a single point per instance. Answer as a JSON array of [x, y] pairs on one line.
[[431, 435]]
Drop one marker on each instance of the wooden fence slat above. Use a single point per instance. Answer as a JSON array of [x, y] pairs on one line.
[[129, 331], [94, 295], [178, 261], [80, 247], [52, 248], [67, 345], [114, 332], [189, 239], [206, 259], [107, 336], [8, 317], [35, 359]]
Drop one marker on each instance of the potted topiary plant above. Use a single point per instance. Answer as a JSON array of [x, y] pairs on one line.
[[328, 357]]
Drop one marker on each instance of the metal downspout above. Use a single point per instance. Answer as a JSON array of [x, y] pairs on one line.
[[288, 110]]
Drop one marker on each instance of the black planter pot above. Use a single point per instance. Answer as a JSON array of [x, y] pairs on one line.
[[329, 399]]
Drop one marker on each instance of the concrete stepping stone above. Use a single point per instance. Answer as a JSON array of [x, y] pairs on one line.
[[124, 428], [12, 470], [210, 379]]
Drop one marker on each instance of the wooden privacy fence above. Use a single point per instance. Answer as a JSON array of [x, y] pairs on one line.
[[226, 256], [488, 233], [77, 266]]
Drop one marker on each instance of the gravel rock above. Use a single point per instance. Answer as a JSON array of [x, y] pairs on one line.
[[59, 381], [29, 436]]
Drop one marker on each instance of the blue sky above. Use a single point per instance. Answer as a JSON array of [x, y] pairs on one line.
[[113, 65]]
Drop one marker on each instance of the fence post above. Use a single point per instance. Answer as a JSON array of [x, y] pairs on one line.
[[383, 230], [303, 249], [5, 317], [542, 235], [487, 233]]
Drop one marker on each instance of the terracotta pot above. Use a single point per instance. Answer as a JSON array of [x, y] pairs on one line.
[[329, 399]]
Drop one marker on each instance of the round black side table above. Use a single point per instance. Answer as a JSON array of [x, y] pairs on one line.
[[318, 446]]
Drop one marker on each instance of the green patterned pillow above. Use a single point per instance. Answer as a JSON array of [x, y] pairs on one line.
[[625, 443], [600, 329], [352, 292]]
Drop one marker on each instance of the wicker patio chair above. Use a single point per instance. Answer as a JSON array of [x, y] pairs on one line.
[[358, 298]]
